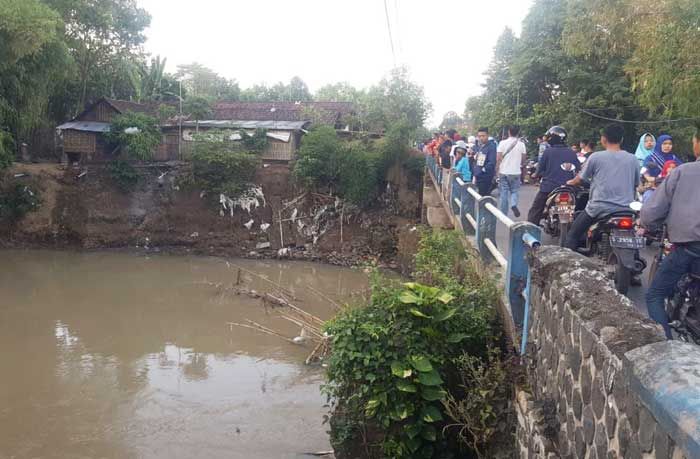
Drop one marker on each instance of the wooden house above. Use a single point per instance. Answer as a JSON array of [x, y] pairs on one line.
[[285, 122], [84, 137]]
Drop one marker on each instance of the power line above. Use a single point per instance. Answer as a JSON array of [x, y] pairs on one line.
[[595, 115], [397, 28], [388, 26]]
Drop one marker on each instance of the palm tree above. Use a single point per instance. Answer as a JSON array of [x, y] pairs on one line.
[[152, 79], [197, 108]]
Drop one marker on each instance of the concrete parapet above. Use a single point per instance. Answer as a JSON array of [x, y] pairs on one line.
[[604, 382]]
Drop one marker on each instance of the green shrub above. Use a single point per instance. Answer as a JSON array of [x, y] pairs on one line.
[[414, 167], [138, 133], [355, 170], [123, 174], [217, 166], [478, 407], [7, 154], [255, 143], [394, 362], [390, 361], [359, 177], [320, 158], [16, 201], [442, 261]]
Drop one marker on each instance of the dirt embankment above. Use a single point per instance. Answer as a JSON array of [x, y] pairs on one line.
[[90, 212]]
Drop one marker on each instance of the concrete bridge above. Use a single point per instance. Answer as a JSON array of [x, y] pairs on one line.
[[602, 380]]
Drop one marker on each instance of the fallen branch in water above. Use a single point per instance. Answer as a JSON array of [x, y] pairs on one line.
[[261, 328], [281, 288], [336, 305], [311, 326]]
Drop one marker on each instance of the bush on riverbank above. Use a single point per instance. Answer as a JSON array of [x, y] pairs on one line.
[[399, 361], [124, 175], [219, 166], [16, 200], [355, 170]]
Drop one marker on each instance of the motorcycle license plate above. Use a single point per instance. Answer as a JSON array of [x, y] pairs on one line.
[[563, 210], [627, 241]]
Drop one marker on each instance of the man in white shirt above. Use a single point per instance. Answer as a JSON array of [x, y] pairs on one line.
[[511, 154]]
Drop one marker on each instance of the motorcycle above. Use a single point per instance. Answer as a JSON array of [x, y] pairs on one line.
[[614, 239], [683, 308], [530, 170], [559, 212]]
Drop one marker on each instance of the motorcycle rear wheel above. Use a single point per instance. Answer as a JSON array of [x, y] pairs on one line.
[[621, 275], [563, 233]]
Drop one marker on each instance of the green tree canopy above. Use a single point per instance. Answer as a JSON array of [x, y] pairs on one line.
[[201, 81], [624, 60], [137, 133]]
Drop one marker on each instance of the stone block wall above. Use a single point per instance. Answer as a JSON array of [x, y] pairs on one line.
[[603, 382]]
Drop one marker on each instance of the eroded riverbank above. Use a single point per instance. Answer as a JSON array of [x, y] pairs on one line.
[[123, 355]]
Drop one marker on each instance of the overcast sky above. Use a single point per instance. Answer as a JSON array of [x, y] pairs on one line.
[[447, 44]]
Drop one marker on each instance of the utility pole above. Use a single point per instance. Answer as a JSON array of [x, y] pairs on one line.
[[179, 137]]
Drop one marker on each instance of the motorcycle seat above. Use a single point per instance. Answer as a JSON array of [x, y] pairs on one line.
[[622, 213]]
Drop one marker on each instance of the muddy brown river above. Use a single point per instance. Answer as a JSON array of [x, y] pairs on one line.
[[113, 355]]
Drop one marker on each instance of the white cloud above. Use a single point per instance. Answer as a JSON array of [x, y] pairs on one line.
[[447, 44]]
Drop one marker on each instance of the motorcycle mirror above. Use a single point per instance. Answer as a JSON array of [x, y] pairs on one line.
[[636, 206]]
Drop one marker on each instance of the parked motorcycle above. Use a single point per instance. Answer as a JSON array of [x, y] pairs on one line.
[[559, 212], [683, 308], [614, 239]]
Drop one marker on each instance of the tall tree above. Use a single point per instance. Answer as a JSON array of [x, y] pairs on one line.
[[102, 35], [295, 91], [338, 92], [34, 63], [26, 26], [198, 108], [201, 81], [394, 99]]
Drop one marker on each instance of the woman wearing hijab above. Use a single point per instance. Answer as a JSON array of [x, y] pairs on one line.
[[663, 151], [645, 148]]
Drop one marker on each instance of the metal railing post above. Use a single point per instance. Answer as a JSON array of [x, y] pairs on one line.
[[485, 227], [455, 193], [467, 209], [517, 271]]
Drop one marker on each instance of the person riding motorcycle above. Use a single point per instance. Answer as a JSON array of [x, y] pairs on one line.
[[677, 203], [558, 164], [613, 175]]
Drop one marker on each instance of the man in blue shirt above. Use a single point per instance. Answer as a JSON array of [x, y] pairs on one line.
[[485, 162], [557, 165]]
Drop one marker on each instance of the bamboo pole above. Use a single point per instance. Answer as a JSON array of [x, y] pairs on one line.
[[262, 329], [324, 296], [285, 290]]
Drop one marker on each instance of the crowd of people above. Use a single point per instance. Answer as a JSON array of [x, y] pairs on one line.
[[669, 189]]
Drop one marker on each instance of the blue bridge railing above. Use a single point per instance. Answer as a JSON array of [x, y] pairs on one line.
[[478, 216]]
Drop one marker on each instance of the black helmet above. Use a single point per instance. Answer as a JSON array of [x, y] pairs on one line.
[[556, 133]]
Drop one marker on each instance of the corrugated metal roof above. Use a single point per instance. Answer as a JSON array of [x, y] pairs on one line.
[[89, 126], [328, 112], [241, 124]]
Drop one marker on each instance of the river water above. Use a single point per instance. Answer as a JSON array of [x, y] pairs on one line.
[[113, 355]]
